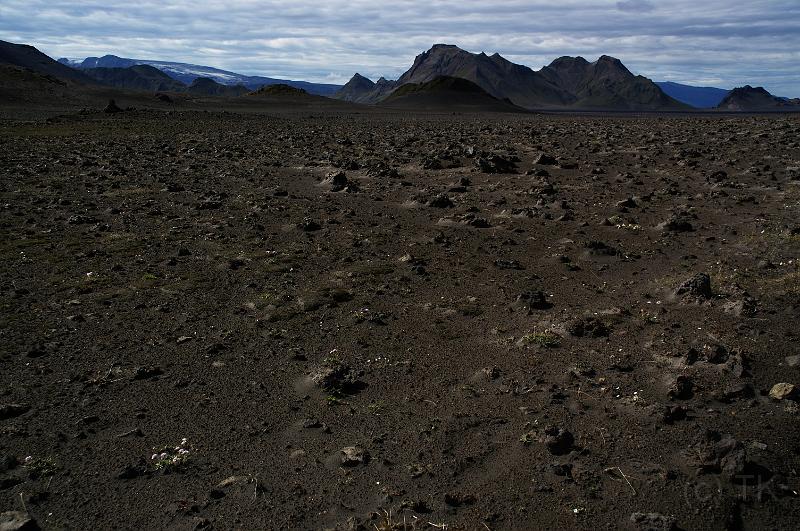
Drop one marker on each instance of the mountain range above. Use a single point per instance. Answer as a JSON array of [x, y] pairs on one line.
[[443, 76], [187, 73], [568, 82]]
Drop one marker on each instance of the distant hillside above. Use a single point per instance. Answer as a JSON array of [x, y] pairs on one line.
[[186, 73], [138, 77], [749, 98], [279, 90], [29, 57], [700, 97], [606, 84], [447, 93], [203, 86], [568, 82]]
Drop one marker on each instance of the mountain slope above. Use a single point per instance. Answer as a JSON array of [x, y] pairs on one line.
[[203, 86], [606, 84], [749, 98], [496, 75], [700, 97], [138, 77], [568, 82], [29, 57], [447, 93], [357, 90], [187, 73]]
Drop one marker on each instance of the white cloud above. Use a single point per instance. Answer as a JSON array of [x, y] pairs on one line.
[[734, 42]]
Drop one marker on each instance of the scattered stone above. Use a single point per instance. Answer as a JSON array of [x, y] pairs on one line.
[[112, 107], [311, 424], [531, 300], [336, 375], [336, 181], [144, 373], [132, 471], [309, 225], [456, 499], [588, 327], [558, 441], [653, 522], [495, 164], [491, 373], [508, 264], [441, 201], [736, 391], [354, 456], [8, 411], [697, 287], [17, 521], [719, 454], [678, 222], [681, 388], [783, 391], [546, 160], [674, 414]]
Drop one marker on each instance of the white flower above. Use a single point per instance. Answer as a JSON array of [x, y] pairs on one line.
[[155, 456]]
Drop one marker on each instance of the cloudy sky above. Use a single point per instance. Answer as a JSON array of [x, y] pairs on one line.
[[723, 43]]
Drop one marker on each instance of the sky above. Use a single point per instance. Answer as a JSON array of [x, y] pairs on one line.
[[722, 43]]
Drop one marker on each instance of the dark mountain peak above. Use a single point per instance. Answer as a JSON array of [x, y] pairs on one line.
[[749, 98], [747, 89], [607, 65], [440, 47], [384, 81], [568, 62], [26, 56], [359, 81]]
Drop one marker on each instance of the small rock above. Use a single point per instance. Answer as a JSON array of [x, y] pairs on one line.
[[681, 387], [783, 391], [8, 411], [456, 499], [532, 300], [354, 456], [588, 327], [112, 107], [441, 201], [558, 441], [17, 521], [698, 287], [653, 522], [546, 160]]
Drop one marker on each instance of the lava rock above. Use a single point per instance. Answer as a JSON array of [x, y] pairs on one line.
[[588, 327], [112, 107], [558, 441], [354, 456], [546, 160], [8, 411], [532, 300], [17, 521], [783, 391], [697, 287], [681, 388], [653, 522]]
